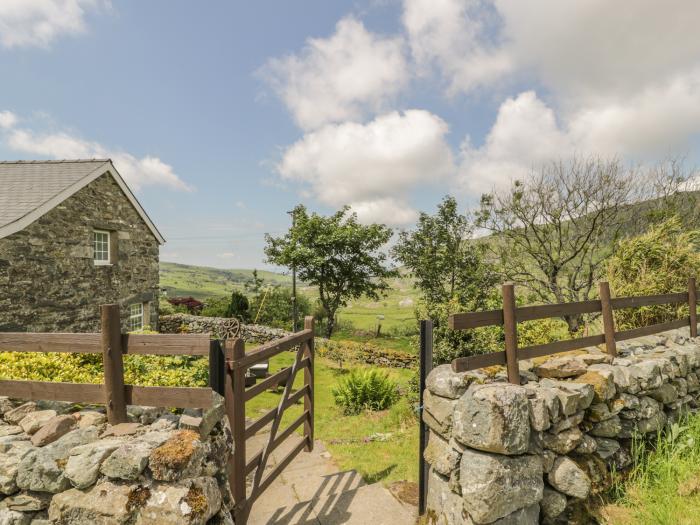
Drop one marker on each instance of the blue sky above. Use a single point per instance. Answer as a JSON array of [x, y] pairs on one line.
[[222, 116]]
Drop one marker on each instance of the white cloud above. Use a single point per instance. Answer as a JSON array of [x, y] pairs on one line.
[[452, 34], [387, 210], [598, 48], [524, 135], [651, 125], [7, 119], [341, 77], [138, 172], [365, 164], [37, 23]]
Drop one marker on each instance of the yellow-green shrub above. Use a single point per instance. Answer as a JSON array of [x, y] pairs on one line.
[[78, 368], [656, 262]]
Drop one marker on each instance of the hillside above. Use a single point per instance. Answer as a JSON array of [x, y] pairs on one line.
[[202, 282]]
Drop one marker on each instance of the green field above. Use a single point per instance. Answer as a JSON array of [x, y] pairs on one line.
[[397, 307]]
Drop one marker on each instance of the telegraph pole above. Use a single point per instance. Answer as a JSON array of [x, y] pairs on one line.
[[295, 309]]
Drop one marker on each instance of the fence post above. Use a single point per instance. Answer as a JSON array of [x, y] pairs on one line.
[[426, 365], [309, 382], [113, 363], [235, 410], [608, 319], [692, 306], [217, 367], [510, 327]]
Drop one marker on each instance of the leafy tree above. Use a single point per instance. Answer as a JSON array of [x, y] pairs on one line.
[[239, 306], [337, 254], [443, 260], [452, 275], [255, 285]]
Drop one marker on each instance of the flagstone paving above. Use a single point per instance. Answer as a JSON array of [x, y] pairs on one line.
[[312, 490]]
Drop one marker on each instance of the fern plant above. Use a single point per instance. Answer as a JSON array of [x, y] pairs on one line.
[[365, 390]]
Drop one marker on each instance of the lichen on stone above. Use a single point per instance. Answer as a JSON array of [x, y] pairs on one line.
[[137, 497], [196, 500], [176, 452]]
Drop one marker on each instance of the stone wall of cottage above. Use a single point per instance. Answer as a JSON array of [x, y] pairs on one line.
[[539, 452], [48, 280], [62, 463]]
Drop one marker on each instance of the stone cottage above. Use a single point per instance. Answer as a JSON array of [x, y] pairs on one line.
[[73, 237]]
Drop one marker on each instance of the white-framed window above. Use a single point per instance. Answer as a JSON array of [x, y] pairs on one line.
[[100, 245], [135, 321]]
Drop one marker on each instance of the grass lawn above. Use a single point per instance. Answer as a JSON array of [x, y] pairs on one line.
[[664, 485], [381, 446]]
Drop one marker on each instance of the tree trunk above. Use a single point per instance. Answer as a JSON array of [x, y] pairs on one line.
[[573, 322], [331, 324]]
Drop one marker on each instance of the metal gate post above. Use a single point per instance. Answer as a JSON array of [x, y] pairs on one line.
[[426, 365]]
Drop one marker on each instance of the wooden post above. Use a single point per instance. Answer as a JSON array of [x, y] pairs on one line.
[[608, 319], [235, 409], [113, 363], [426, 365], [217, 367], [510, 327], [692, 307], [309, 381]]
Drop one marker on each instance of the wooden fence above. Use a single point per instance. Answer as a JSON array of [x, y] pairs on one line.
[[227, 375], [112, 344], [510, 315]]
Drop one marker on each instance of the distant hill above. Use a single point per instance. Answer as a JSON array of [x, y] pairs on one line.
[[202, 282]]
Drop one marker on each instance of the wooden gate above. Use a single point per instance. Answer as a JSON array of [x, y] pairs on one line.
[[236, 394]]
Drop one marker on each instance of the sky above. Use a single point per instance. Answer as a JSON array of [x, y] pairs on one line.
[[222, 116]]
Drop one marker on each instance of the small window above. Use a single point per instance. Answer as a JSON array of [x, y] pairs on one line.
[[135, 317], [100, 243]]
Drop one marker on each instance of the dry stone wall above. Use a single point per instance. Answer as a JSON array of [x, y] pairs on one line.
[[540, 451], [63, 465], [218, 327]]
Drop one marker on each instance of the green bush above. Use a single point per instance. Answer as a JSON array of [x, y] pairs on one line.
[[365, 390], [239, 306], [216, 307], [656, 262]]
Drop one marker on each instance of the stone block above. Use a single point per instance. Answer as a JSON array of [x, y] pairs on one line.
[[493, 418], [602, 381], [609, 428], [35, 420], [442, 381], [563, 442], [560, 367], [567, 477], [437, 412], [494, 486]]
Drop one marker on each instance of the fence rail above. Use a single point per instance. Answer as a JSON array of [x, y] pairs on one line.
[[509, 316]]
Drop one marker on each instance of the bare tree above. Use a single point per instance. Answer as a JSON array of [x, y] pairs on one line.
[[553, 231]]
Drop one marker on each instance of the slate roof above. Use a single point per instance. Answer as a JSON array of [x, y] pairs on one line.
[[29, 189]]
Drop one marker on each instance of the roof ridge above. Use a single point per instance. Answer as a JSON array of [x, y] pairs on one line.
[[54, 161]]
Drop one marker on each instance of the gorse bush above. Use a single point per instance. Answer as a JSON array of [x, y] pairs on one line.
[[656, 262], [365, 390]]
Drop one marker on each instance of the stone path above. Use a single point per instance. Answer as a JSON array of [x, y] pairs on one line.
[[313, 491]]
